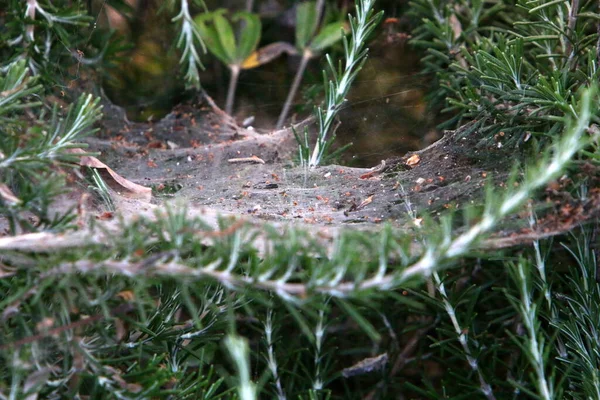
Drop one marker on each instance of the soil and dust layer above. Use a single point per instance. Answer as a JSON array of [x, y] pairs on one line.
[[199, 154]]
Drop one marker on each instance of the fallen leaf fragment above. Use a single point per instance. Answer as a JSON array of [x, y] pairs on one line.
[[252, 159], [366, 365], [130, 189], [268, 53], [355, 207], [375, 170], [8, 196], [126, 295], [367, 175], [413, 160], [365, 202], [105, 216]]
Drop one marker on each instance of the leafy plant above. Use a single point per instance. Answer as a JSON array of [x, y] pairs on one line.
[[221, 41], [311, 40]]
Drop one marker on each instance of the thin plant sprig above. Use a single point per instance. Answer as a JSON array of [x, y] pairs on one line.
[[15, 88], [580, 316], [240, 354], [549, 168], [485, 387], [189, 37], [238, 52], [271, 360], [312, 38], [64, 134], [319, 339], [33, 7], [336, 89], [534, 342]]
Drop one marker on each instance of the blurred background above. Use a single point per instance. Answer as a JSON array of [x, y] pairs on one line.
[[386, 113]]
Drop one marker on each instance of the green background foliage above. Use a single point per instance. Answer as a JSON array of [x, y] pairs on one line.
[[169, 307]]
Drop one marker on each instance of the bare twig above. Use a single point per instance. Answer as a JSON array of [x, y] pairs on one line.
[[598, 42], [572, 22], [306, 55], [408, 349], [235, 74], [253, 159]]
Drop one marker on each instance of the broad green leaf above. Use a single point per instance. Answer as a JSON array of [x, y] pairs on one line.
[[306, 23], [330, 34], [210, 37], [226, 36], [250, 35]]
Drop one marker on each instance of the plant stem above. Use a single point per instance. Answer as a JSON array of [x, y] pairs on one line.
[[571, 30], [598, 42], [240, 354], [319, 8], [235, 73], [271, 360], [30, 13], [306, 55]]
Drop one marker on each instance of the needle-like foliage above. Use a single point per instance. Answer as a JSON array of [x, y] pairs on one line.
[[168, 306], [27, 182], [514, 67], [339, 80], [189, 41]]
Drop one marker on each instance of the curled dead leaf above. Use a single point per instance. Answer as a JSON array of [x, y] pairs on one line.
[[6, 271], [267, 53], [413, 160], [129, 188], [252, 159], [366, 366], [8, 196], [126, 295], [365, 203]]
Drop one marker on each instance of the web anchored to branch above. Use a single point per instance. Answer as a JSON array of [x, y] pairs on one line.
[[333, 273]]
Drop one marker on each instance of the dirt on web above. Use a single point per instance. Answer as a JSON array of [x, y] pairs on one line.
[[200, 155]]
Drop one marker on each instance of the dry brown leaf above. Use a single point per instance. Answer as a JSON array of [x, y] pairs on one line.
[[456, 26], [130, 189], [365, 203], [6, 271], [8, 196], [267, 53], [413, 160], [126, 295]]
